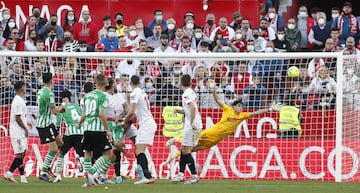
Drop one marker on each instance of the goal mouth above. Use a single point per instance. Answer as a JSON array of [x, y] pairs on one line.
[[325, 92]]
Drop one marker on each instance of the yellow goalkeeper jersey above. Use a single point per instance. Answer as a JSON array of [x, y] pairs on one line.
[[228, 123]]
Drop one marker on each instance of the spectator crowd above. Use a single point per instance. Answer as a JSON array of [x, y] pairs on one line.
[[257, 82]]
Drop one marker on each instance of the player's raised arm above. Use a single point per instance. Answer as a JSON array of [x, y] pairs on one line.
[[212, 86], [273, 107]]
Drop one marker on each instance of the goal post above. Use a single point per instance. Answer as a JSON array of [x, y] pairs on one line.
[[326, 150]]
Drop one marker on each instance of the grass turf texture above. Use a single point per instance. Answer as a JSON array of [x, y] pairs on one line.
[[165, 186]]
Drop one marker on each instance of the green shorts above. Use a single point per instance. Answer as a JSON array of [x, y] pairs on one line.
[[117, 131]]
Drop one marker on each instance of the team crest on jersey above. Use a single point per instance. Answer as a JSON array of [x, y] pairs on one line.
[[105, 103]]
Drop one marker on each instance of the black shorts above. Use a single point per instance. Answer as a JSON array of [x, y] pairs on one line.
[[47, 134], [96, 141], [73, 141]]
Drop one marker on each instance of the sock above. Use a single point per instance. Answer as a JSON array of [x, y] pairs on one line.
[[140, 172], [48, 159], [142, 160], [99, 165], [182, 163], [104, 168], [59, 164], [191, 163], [15, 164], [21, 166], [117, 165], [87, 163]]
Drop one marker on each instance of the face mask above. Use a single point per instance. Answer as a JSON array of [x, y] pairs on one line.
[[321, 21], [53, 23], [198, 35], [36, 14], [177, 71], [11, 24], [132, 33], [250, 48], [256, 36], [302, 14], [210, 22], [119, 21], [158, 18], [272, 15], [171, 26], [281, 36], [205, 7], [148, 85], [70, 17], [335, 15], [157, 34], [291, 26], [238, 36], [6, 16], [269, 49], [52, 36], [189, 25], [82, 49], [112, 34], [67, 39]]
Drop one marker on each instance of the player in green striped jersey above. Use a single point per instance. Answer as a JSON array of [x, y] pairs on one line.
[[48, 133], [73, 134], [96, 131]]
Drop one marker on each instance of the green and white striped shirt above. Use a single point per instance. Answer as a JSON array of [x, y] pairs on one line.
[[71, 116], [94, 101], [45, 99]]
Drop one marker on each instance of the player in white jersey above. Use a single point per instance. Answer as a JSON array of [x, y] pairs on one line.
[[18, 132], [192, 129], [117, 105], [140, 107]]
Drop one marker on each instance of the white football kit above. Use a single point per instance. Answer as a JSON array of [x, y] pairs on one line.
[[17, 133], [191, 135], [147, 125]]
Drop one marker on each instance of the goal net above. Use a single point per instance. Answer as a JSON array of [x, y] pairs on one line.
[[327, 147]]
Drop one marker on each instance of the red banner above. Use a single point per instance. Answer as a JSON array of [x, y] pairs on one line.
[[132, 9], [231, 159]]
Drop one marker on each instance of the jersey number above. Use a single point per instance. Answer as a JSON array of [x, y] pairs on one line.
[[74, 115], [90, 107]]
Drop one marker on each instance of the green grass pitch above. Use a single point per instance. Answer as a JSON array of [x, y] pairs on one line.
[[165, 186]]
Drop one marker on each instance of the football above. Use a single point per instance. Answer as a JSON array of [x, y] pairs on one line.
[[293, 72]]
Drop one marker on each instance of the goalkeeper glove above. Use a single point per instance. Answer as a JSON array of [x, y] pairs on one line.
[[212, 85], [275, 107]]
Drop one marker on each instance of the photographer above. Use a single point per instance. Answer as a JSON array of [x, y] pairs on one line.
[[322, 89]]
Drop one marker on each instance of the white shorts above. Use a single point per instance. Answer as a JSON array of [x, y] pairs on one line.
[[131, 132], [190, 137], [145, 134], [20, 145]]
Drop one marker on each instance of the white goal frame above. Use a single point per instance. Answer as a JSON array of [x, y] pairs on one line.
[[227, 56]]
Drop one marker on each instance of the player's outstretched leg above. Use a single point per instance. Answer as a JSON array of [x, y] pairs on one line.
[[59, 167], [9, 174], [142, 160], [117, 167], [46, 166]]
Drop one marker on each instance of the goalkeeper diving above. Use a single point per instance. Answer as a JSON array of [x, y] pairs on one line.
[[231, 117]]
